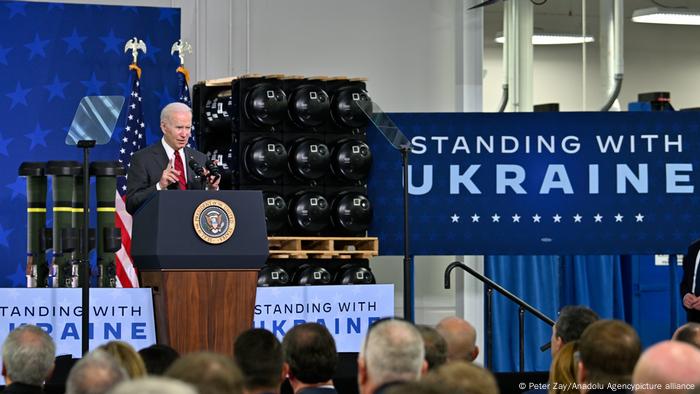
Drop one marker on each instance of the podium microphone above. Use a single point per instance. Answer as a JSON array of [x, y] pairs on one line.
[[196, 167], [213, 168]]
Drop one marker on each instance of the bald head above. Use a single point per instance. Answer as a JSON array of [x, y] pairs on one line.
[[460, 337], [667, 362]]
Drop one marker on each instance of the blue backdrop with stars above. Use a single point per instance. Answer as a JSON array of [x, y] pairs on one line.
[[580, 222], [51, 55]]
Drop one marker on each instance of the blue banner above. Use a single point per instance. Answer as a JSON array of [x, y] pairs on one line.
[[347, 311], [115, 314], [540, 183]]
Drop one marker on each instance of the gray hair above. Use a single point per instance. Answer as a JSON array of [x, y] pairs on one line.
[[172, 108], [153, 385], [96, 373], [393, 351], [28, 355]]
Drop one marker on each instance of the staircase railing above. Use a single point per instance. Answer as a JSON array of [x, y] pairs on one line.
[[522, 307]]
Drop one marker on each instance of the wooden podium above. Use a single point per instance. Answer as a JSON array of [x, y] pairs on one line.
[[204, 292]]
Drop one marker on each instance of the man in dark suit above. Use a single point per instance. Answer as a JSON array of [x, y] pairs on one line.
[[310, 358], [690, 289], [164, 165], [28, 355]]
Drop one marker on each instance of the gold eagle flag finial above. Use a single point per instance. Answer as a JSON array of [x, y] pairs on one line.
[[134, 45]]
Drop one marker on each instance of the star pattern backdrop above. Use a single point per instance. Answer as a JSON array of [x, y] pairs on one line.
[[51, 55]]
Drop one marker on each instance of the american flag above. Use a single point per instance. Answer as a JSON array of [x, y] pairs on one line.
[[132, 140], [183, 96]]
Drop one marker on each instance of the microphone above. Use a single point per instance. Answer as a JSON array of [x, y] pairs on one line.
[[196, 167], [213, 168]]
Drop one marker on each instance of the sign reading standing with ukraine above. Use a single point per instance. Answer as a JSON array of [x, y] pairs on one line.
[[541, 183]]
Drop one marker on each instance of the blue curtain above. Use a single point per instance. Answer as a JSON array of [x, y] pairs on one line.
[[548, 283]]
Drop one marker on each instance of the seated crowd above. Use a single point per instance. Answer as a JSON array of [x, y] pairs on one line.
[[589, 355]]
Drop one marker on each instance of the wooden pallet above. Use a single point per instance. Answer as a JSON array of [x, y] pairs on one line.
[[323, 247]]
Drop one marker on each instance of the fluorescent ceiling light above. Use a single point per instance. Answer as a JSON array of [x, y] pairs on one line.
[[552, 38], [667, 16]]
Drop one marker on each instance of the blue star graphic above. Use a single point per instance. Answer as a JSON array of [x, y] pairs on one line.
[[18, 187], [17, 8], [3, 236], [93, 85], [3, 54], [125, 88], [19, 96], [167, 14], [19, 278], [74, 41], [56, 88], [57, 6], [37, 46], [38, 136], [112, 42], [164, 97], [152, 50], [3, 145], [135, 10]]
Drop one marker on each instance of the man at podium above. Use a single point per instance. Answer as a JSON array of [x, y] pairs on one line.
[[168, 164]]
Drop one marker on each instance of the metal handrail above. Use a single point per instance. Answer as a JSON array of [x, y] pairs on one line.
[[522, 307]]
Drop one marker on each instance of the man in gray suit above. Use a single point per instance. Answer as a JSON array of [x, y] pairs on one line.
[[165, 165]]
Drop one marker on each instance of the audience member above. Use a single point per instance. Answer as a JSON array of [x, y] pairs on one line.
[[435, 346], [562, 372], [419, 387], [460, 337], [154, 385], [573, 319], [96, 373], [258, 354], [608, 351], [311, 358], [667, 367], [27, 359], [210, 373], [462, 377], [688, 333], [158, 358], [127, 357], [392, 353]]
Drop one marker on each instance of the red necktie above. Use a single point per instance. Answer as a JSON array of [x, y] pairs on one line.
[[181, 182]]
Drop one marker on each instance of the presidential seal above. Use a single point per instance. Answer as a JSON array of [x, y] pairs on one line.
[[214, 221]]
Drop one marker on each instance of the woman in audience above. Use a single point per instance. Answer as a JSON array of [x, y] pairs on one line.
[[562, 373], [127, 357]]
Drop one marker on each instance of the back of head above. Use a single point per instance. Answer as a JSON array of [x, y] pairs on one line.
[[665, 363], [688, 333], [460, 337], [158, 358], [463, 377], [435, 346], [211, 373], [419, 387], [309, 349], [28, 355], [393, 351], [562, 372], [573, 320], [153, 385], [96, 373], [127, 357], [608, 350], [258, 354]]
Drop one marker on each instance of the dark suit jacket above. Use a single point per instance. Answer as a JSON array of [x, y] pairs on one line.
[[21, 388], [145, 169], [690, 267], [318, 390]]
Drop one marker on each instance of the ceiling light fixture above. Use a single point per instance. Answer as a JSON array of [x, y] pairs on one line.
[[667, 16], [552, 38]]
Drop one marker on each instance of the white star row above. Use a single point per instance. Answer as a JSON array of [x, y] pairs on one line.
[[536, 218]]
